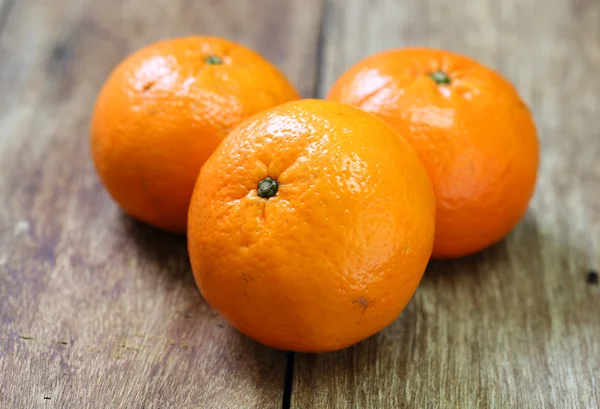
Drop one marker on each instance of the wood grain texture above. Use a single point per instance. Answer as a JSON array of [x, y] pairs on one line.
[[517, 326], [98, 311]]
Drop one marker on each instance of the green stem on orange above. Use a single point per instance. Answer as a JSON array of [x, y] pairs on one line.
[[267, 188], [440, 78], [213, 60]]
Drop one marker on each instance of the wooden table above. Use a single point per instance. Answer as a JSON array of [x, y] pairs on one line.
[[99, 311]]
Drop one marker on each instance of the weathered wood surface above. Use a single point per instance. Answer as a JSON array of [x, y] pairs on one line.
[[517, 326], [98, 311]]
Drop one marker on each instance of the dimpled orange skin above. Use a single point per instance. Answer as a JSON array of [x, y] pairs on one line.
[[337, 253], [163, 111], [475, 137]]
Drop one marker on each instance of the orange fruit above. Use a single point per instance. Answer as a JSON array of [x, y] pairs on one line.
[[163, 111], [471, 130], [310, 226]]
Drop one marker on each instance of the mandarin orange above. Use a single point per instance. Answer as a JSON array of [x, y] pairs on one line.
[[163, 111], [469, 127], [310, 226]]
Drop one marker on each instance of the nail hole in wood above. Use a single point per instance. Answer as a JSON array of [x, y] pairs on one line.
[[592, 277]]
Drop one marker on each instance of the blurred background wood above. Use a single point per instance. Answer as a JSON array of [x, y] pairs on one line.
[[98, 311], [517, 326]]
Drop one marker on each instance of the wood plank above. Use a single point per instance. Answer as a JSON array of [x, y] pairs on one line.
[[98, 311], [517, 326]]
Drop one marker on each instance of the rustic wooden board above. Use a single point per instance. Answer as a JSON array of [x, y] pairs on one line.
[[98, 311], [517, 326]]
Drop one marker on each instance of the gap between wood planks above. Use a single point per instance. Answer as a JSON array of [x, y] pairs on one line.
[[288, 381]]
